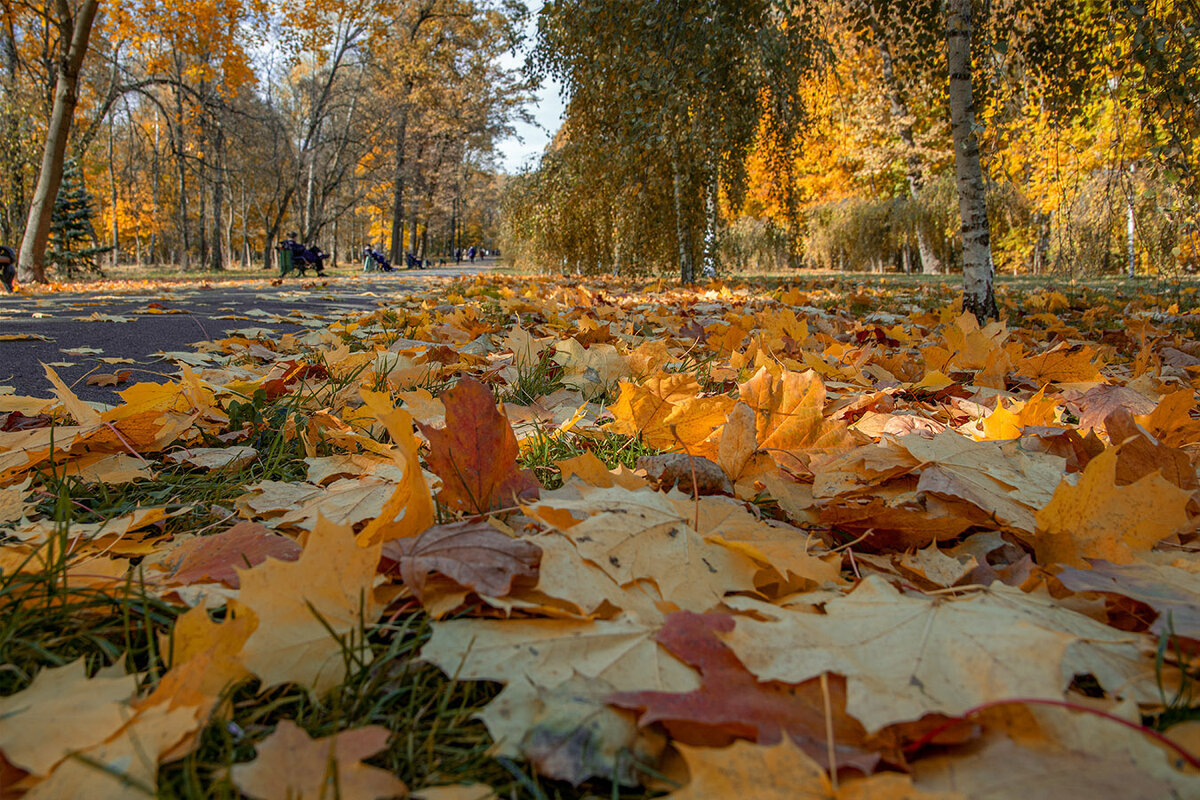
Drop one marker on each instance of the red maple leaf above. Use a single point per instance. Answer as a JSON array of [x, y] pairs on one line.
[[475, 455], [731, 703]]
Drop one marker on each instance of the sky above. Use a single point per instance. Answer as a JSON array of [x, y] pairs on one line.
[[524, 149]]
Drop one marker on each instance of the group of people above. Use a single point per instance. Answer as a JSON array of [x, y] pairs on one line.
[[472, 252], [299, 257]]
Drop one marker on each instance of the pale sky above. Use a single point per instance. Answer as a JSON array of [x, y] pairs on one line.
[[547, 112]]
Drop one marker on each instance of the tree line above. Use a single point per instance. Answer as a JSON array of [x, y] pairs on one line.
[[1025, 136], [207, 129]]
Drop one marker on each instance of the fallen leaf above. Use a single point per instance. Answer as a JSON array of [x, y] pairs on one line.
[[783, 772], [732, 703], [1098, 519], [473, 554], [60, 712], [310, 610], [229, 458], [293, 766], [889, 645], [475, 455], [219, 557]]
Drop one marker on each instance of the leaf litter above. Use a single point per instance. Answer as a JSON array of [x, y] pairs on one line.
[[712, 541]]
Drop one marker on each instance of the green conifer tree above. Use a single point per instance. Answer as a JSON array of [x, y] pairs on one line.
[[72, 247]]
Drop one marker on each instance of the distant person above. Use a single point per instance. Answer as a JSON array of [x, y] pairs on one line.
[[313, 256], [471, 254], [8, 266], [458, 255]]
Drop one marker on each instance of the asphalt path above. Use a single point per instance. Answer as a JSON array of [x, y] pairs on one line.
[[75, 332]]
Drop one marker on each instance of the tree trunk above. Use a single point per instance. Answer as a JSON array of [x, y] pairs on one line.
[[112, 187], [978, 291], [216, 259], [711, 223], [1131, 230], [75, 33], [682, 232], [397, 240]]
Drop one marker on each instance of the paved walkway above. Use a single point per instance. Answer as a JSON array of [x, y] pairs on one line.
[[75, 332]]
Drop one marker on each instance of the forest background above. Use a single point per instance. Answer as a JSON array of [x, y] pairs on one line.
[[761, 136]]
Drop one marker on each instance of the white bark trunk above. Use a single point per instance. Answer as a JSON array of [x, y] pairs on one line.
[[978, 291]]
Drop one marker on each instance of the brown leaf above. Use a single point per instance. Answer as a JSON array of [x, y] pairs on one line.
[[1140, 455], [1174, 593], [1098, 403], [691, 474], [731, 703], [475, 455], [474, 554], [108, 378], [290, 765], [219, 557]]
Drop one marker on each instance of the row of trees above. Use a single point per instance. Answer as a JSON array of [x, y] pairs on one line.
[[208, 128], [1023, 135]]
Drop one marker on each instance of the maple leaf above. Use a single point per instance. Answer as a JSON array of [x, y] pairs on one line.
[[218, 557], [643, 410], [783, 772], [302, 606], [410, 508], [472, 553], [1098, 519], [60, 712], [108, 378], [215, 458], [1100, 402], [640, 535], [889, 646], [475, 455], [733, 703], [790, 416], [110, 769], [293, 766], [569, 733], [1171, 591], [1063, 364], [1045, 751], [996, 477], [204, 659], [549, 652]]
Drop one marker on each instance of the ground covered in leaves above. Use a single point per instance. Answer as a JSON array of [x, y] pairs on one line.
[[552, 538]]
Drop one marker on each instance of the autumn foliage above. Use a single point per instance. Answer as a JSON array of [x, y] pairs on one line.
[[781, 542]]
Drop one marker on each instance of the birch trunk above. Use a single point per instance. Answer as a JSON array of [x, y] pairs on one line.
[[74, 32], [978, 291]]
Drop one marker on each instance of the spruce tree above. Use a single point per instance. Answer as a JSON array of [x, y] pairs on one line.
[[72, 247]]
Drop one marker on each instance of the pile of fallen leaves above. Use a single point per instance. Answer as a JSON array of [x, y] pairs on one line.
[[869, 548]]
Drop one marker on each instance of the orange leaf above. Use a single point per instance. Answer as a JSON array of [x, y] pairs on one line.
[[475, 455]]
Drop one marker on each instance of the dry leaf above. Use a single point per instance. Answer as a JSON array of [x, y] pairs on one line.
[[293, 766]]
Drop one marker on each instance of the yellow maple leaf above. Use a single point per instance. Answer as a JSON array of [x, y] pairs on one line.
[[790, 419], [783, 772], [302, 605], [1098, 519]]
